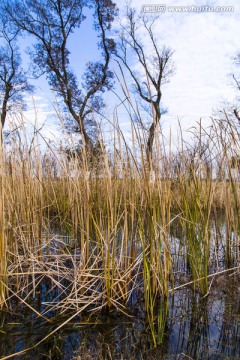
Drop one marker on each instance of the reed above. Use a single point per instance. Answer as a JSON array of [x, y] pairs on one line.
[[118, 212], [3, 242]]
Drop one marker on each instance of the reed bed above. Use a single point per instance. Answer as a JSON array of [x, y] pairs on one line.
[[111, 232]]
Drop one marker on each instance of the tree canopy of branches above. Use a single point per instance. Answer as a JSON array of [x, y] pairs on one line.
[[155, 65], [13, 79], [51, 22]]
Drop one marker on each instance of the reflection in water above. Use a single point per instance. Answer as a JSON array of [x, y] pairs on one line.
[[195, 328]]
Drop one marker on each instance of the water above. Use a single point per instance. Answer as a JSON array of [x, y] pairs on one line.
[[192, 326], [196, 328]]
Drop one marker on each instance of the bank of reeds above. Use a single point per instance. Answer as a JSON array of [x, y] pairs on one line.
[[130, 225]]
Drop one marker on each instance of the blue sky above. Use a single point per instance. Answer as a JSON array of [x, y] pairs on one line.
[[204, 44]]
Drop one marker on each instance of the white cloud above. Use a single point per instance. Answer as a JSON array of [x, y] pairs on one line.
[[204, 45]]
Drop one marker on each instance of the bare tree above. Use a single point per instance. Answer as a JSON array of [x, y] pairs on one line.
[[155, 66], [13, 79], [51, 22]]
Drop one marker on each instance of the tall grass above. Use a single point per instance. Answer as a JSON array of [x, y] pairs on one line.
[[119, 212], [3, 244]]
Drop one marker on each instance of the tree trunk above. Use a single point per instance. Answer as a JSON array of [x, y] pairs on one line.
[[3, 115], [151, 135]]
